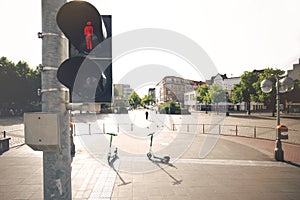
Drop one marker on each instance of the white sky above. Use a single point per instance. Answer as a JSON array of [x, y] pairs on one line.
[[238, 35]]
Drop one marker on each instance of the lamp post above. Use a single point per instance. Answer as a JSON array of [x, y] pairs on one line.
[[283, 85]]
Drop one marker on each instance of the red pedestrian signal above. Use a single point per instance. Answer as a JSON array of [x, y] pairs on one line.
[[72, 19], [88, 70], [89, 32]]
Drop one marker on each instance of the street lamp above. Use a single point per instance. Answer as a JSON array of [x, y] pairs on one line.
[[283, 85]]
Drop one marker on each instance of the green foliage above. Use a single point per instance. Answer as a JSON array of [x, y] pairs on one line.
[[217, 94], [169, 107], [202, 94], [245, 90], [237, 93], [134, 99], [210, 94], [260, 96], [147, 100], [116, 92], [18, 87], [248, 89]]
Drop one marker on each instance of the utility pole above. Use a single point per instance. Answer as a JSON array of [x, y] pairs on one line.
[[56, 165]]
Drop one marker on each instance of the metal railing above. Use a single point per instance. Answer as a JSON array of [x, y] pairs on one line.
[[16, 136], [260, 132]]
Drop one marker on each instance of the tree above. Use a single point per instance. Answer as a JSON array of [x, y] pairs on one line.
[[134, 99], [267, 98], [147, 100], [236, 93], [116, 92], [217, 94], [18, 87], [202, 95], [245, 91], [170, 107]]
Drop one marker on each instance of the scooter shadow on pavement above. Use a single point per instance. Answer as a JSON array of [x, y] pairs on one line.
[[292, 163], [111, 164], [157, 163]]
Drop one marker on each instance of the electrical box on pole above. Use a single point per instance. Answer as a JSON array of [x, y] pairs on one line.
[[88, 70], [42, 131]]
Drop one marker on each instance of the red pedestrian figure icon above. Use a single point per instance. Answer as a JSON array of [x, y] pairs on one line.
[[89, 32]]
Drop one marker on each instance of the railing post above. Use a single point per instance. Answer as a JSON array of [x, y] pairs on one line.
[[236, 130], [89, 129]]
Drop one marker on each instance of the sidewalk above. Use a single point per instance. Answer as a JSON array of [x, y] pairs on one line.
[[231, 171], [236, 168]]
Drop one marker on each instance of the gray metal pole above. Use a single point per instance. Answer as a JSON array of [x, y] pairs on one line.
[[56, 165], [279, 154]]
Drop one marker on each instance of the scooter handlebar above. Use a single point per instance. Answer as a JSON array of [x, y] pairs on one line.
[[113, 134], [151, 134]]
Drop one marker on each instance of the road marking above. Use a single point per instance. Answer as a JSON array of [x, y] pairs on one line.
[[253, 163]]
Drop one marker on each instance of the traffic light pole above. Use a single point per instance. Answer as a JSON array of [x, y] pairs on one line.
[[56, 165]]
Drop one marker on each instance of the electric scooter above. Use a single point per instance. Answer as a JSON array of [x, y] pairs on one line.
[[109, 156], [150, 154]]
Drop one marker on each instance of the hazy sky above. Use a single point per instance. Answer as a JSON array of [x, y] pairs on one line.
[[238, 35]]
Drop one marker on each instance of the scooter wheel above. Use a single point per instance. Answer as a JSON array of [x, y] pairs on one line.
[[166, 159], [149, 155]]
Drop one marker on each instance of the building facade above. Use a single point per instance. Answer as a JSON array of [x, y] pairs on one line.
[[225, 82], [295, 72], [124, 90], [173, 88]]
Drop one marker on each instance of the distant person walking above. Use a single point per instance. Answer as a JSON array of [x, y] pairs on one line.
[[147, 114]]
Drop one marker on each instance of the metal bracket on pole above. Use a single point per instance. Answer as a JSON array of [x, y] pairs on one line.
[[42, 34], [74, 106], [54, 90], [46, 68], [66, 90]]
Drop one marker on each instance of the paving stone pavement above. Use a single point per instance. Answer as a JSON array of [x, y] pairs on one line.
[[236, 168]]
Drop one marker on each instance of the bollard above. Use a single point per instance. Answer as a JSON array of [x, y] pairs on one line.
[[89, 128], [4, 134], [103, 128], [203, 130], [187, 128], [254, 131], [118, 127], [236, 130]]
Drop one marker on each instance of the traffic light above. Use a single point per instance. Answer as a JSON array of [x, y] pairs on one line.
[[88, 70]]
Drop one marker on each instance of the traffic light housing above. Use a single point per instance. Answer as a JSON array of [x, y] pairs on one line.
[[88, 70]]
